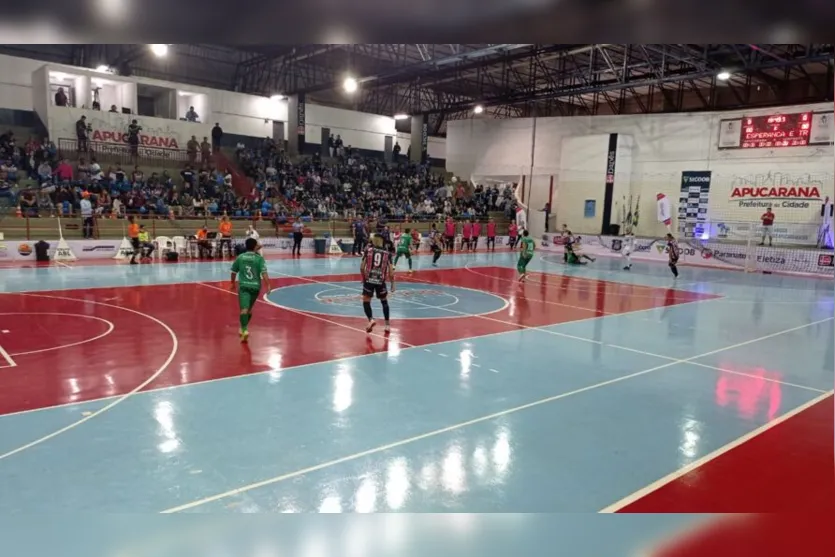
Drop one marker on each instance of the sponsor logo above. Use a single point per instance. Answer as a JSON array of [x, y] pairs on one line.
[[617, 244], [144, 140], [826, 260], [696, 179], [780, 192], [100, 247], [707, 253], [773, 259], [63, 252], [24, 249], [341, 298]]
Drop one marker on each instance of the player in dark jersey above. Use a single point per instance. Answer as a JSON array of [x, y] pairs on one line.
[[437, 244], [376, 270], [674, 252]]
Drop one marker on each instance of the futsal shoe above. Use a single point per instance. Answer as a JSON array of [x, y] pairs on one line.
[[244, 336], [370, 326]]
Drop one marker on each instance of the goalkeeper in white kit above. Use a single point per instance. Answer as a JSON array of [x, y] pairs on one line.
[[626, 251]]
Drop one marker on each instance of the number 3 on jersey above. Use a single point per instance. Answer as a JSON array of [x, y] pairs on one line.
[[248, 272]]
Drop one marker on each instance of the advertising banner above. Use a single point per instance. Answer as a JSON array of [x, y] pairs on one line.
[[693, 202]]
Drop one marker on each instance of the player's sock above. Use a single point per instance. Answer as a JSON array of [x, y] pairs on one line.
[[366, 306], [385, 304], [243, 320], [410, 263]]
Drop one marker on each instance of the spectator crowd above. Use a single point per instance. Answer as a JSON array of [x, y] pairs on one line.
[[346, 186]]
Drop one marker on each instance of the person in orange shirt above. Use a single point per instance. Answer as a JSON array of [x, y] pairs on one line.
[[203, 245], [225, 231], [133, 234]]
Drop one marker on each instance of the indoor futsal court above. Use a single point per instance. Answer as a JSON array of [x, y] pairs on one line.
[[126, 389]]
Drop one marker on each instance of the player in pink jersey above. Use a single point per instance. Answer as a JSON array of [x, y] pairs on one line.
[[449, 233], [513, 232], [491, 234], [476, 233], [466, 234]]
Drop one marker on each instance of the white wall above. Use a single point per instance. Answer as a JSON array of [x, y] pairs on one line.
[[237, 113], [664, 146], [16, 82]]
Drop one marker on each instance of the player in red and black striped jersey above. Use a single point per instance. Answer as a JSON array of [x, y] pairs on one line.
[[673, 251], [376, 269]]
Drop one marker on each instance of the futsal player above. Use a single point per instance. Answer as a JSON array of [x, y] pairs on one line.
[[626, 251], [376, 269], [674, 252], [133, 234], [513, 234], [250, 270], [404, 247], [526, 248], [415, 240], [437, 244], [491, 234]]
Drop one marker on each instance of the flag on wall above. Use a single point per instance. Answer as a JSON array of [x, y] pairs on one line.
[[663, 206]]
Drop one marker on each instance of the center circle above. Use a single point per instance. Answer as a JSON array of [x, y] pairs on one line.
[[409, 301]]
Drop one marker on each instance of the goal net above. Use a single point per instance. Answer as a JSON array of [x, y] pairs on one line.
[[716, 213]]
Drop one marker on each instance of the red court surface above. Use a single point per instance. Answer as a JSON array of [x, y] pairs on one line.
[[160, 336], [784, 469]]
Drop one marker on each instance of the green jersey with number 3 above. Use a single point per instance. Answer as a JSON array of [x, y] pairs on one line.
[[405, 242], [249, 266], [527, 247]]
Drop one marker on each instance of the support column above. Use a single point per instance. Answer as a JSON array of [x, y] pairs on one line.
[[419, 139], [296, 122]]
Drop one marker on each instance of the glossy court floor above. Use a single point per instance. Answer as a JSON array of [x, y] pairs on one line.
[[124, 388]]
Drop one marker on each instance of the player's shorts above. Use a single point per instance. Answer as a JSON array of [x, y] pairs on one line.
[[523, 263], [372, 290], [674, 261], [404, 251], [247, 296]]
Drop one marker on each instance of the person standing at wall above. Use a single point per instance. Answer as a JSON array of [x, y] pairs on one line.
[[491, 234], [81, 130], [767, 219], [476, 233], [86, 215], [217, 135], [298, 234], [449, 233]]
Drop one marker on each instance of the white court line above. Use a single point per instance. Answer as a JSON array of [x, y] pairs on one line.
[[62, 264], [5, 355], [109, 330], [545, 330], [629, 499], [115, 402], [434, 433]]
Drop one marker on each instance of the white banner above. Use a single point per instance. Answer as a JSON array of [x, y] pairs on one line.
[[822, 132], [709, 254]]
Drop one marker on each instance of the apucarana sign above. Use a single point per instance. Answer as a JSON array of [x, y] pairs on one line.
[[112, 128]]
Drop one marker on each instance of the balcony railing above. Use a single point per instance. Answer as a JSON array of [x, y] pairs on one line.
[[120, 153]]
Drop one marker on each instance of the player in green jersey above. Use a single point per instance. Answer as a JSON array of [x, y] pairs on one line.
[[405, 248], [250, 270], [525, 255]]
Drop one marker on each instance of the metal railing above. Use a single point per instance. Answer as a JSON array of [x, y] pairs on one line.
[[102, 227], [121, 154]]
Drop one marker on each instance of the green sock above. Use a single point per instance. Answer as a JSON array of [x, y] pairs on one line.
[[248, 319], [243, 319]]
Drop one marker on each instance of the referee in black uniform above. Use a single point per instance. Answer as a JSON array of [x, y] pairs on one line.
[[298, 234]]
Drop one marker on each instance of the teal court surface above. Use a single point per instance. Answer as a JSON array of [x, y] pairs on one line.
[[125, 389]]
